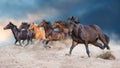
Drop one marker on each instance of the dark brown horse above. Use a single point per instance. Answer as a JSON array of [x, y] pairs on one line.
[[86, 34], [50, 34], [25, 26]]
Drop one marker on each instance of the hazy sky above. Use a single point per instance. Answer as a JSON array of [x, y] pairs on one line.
[[104, 13]]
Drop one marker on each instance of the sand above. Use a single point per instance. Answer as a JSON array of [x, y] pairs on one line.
[[36, 56]]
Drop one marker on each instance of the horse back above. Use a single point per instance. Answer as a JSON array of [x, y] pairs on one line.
[[88, 33], [97, 28]]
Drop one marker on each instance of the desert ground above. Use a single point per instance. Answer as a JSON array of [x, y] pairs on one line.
[[36, 56]]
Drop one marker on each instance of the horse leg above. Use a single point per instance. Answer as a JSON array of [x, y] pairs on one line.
[[102, 38], [87, 49], [20, 42], [74, 43], [98, 45], [31, 41], [15, 42], [23, 41], [46, 42], [27, 42]]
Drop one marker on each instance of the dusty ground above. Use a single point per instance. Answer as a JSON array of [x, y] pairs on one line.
[[36, 56]]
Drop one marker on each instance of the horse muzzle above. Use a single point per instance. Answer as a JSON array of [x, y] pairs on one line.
[[4, 28]]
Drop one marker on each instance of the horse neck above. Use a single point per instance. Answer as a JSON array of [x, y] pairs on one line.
[[48, 29], [78, 30], [15, 32], [27, 26], [62, 28], [36, 29]]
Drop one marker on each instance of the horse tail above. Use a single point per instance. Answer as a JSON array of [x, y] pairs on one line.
[[107, 38]]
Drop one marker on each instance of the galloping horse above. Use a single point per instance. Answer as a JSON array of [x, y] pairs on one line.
[[62, 26], [86, 34], [19, 34], [39, 33], [25, 25], [52, 35]]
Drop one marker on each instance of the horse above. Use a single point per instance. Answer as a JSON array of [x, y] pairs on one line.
[[86, 34], [62, 26], [18, 33], [50, 34], [39, 33], [25, 25]]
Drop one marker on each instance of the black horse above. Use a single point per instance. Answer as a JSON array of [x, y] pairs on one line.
[[86, 34], [18, 33]]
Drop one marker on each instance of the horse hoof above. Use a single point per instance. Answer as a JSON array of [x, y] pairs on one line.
[[67, 55], [47, 46], [102, 47], [108, 48]]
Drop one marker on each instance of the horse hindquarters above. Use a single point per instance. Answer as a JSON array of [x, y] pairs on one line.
[[103, 37]]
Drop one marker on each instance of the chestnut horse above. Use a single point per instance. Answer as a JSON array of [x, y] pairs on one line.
[[86, 34], [52, 35], [62, 26]]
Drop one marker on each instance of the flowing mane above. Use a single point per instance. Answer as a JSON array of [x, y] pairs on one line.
[[64, 24]]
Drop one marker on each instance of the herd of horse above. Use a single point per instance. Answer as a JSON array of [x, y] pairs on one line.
[[72, 28]]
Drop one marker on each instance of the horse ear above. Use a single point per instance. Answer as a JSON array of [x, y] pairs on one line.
[[11, 23], [72, 17]]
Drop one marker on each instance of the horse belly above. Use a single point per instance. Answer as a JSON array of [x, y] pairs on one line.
[[89, 35], [23, 36]]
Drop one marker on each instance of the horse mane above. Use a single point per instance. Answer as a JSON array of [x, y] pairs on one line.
[[64, 24], [48, 23], [13, 24], [25, 23]]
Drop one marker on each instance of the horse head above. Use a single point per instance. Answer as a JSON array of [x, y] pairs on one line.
[[72, 23], [9, 26], [44, 23]]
